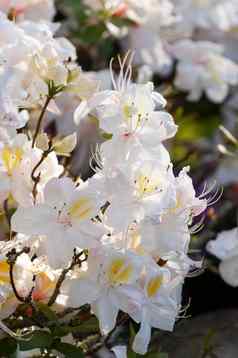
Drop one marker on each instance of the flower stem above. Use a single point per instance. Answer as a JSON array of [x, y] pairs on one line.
[[39, 122], [75, 261]]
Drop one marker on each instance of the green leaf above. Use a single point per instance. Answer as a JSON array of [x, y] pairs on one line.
[[107, 136], [92, 34], [8, 347], [89, 327], [37, 339], [47, 312], [69, 350]]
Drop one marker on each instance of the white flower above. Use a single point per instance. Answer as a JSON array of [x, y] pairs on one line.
[[108, 285], [65, 218], [34, 10], [159, 306], [208, 14], [225, 247], [212, 73], [129, 114], [137, 188], [17, 161], [30, 57], [150, 49]]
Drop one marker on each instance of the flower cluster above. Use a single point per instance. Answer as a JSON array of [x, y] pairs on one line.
[[118, 241], [190, 34]]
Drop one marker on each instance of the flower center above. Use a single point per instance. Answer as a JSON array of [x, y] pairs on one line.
[[11, 158], [119, 271], [4, 273], [154, 285], [81, 209], [145, 185]]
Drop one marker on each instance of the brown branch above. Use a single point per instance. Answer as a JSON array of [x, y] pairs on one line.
[[75, 261], [40, 119], [7, 213], [36, 178], [11, 260]]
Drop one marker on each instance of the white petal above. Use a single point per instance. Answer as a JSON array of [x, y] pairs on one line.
[[80, 292], [226, 244], [59, 191], [81, 112], [229, 271], [106, 312], [120, 351], [142, 339], [37, 220]]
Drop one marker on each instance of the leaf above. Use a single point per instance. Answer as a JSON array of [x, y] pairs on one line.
[[69, 350], [107, 136], [92, 34], [8, 346], [47, 312], [89, 327], [37, 339]]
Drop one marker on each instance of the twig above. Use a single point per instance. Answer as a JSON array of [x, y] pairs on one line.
[[6, 211], [12, 258], [36, 179], [75, 261], [40, 119], [53, 90]]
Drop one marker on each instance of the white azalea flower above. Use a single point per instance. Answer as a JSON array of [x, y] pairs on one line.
[[212, 73], [208, 14], [108, 285], [65, 218], [129, 114], [30, 57], [225, 247], [159, 306], [17, 162], [138, 188], [34, 10]]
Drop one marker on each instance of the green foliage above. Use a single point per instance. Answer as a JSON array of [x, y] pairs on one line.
[[48, 313], [37, 339], [198, 124], [69, 350], [8, 347], [91, 34]]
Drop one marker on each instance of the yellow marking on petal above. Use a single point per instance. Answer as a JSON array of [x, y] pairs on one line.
[[145, 185], [135, 240], [119, 271], [11, 158], [4, 273], [127, 111], [154, 285], [81, 209]]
